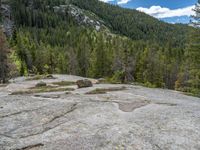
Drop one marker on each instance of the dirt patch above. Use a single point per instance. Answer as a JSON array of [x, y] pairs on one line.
[[104, 91], [129, 107], [40, 77]]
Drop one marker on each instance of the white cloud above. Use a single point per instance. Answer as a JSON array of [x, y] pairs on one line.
[[123, 1], [119, 2], [162, 12], [106, 1]]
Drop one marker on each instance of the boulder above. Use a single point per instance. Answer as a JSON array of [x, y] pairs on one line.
[[84, 83], [41, 84]]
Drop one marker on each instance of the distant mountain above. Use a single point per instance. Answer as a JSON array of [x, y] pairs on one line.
[[132, 23]]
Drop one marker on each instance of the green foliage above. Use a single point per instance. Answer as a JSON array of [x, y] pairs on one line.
[[117, 77], [189, 77]]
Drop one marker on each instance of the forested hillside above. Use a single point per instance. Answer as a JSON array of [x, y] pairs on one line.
[[56, 36], [134, 24]]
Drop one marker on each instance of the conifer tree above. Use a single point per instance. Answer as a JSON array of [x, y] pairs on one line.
[[4, 59], [197, 11], [190, 76]]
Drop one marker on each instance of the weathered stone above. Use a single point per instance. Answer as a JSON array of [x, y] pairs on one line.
[[84, 83]]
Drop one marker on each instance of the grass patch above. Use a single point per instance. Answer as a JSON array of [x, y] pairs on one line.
[[42, 90], [40, 77], [104, 91], [192, 94], [64, 83], [189, 91]]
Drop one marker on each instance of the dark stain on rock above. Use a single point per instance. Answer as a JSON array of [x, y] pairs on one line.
[[129, 107]]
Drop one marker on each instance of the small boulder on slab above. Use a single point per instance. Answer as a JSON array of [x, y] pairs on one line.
[[84, 83], [41, 84]]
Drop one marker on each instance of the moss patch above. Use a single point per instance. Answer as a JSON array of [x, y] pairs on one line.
[[42, 90], [40, 77]]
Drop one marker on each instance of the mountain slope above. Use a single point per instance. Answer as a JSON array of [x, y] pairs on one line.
[[134, 24], [127, 22]]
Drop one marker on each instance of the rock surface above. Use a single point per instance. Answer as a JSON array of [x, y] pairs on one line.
[[136, 118]]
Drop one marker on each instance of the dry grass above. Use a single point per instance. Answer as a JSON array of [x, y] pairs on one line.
[[3, 85], [39, 77], [64, 83]]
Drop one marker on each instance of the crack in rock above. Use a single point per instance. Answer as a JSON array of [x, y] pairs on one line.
[[45, 126], [73, 107], [7, 136], [20, 112], [31, 146], [167, 104], [48, 96]]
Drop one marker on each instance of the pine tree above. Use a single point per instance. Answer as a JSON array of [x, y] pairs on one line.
[[190, 75], [4, 59], [197, 16]]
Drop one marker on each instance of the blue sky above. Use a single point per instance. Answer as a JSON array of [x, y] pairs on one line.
[[172, 11]]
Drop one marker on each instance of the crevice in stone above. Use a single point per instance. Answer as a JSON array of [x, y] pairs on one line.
[[7, 136], [73, 107], [47, 96], [158, 147], [167, 104], [20, 112], [31, 146]]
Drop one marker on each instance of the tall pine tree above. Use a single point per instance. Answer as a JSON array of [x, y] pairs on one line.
[[190, 76], [4, 60]]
